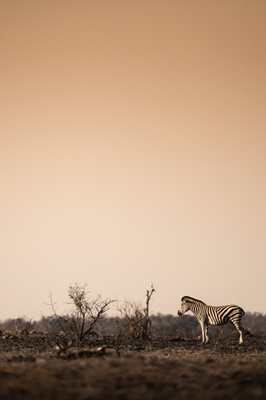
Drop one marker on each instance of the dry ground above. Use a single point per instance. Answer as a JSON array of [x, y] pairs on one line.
[[38, 366]]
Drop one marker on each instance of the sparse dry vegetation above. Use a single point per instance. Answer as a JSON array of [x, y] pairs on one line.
[[137, 321], [167, 367], [84, 356], [86, 312]]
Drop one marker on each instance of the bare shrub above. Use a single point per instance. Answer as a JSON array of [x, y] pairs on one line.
[[22, 325], [85, 314], [137, 319]]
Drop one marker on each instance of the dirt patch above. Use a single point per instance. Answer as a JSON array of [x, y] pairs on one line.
[[39, 366]]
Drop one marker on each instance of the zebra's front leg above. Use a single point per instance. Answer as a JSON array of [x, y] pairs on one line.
[[203, 332], [206, 334]]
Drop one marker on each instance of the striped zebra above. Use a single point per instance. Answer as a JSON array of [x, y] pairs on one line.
[[211, 315]]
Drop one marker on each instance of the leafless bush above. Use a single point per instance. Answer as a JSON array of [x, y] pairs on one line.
[[137, 319], [85, 314], [22, 325]]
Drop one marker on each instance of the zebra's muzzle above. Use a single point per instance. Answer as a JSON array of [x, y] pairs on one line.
[[179, 312]]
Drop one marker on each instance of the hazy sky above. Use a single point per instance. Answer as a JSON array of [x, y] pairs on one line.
[[132, 151]]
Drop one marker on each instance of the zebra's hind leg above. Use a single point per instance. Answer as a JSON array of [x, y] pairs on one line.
[[240, 330]]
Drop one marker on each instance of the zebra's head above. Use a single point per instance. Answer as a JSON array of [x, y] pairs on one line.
[[184, 306], [186, 303]]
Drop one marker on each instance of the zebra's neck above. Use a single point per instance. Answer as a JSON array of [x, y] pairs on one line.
[[196, 307]]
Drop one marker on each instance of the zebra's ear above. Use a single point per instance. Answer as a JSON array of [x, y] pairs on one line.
[[186, 299]]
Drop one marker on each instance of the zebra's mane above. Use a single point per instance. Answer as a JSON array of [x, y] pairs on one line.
[[191, 300]]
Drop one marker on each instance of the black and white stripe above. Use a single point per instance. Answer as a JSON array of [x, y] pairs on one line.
[[211, 315]]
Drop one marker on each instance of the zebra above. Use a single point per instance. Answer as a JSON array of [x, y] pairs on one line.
[[211, 315]]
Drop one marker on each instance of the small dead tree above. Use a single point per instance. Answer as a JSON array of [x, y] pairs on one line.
[[137, 318], [86, 313], [146, 312]]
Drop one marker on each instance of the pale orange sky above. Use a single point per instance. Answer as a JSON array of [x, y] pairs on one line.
[[132, 151]]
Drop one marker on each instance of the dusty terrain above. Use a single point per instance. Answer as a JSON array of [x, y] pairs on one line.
[[47, 366]]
